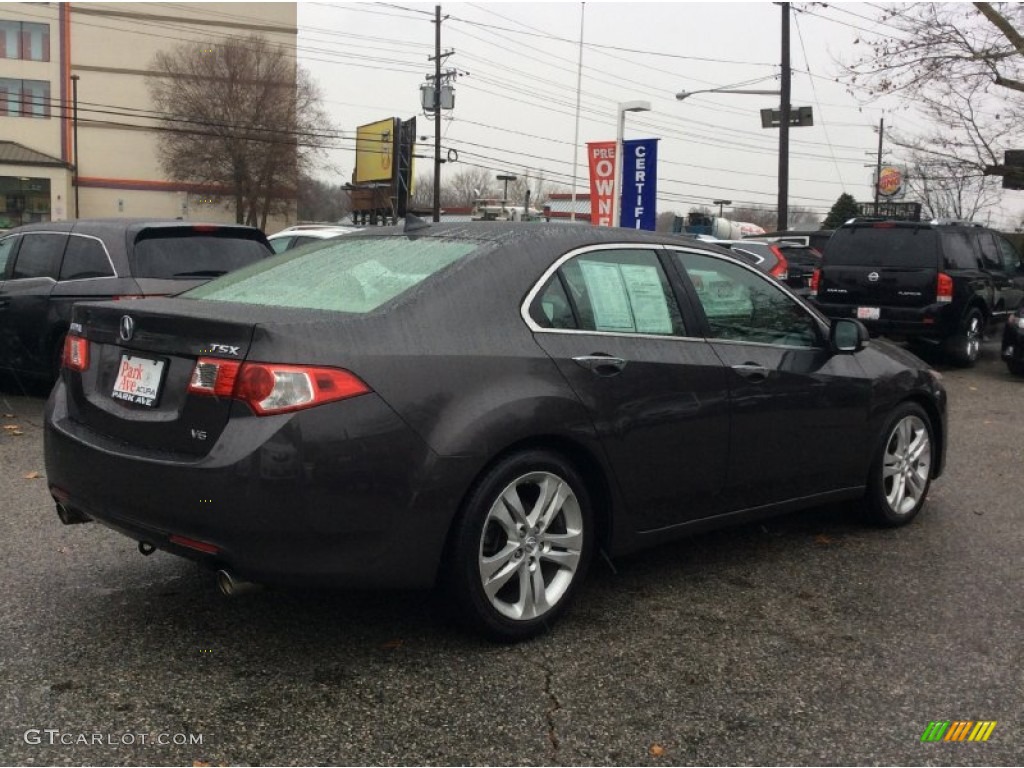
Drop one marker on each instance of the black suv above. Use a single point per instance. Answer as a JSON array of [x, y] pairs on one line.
[[48, 266], [939, 281]]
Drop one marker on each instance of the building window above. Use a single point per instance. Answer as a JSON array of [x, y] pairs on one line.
[[23, 40], [24, 98]]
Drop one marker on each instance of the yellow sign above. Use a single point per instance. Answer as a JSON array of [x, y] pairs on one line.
[[375, 149]]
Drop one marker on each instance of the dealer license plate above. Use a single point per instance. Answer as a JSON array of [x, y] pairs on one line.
[[138, 380], [868, 313]]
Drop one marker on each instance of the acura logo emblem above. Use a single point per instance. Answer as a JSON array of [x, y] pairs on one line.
[[873, 277], [127, 328]]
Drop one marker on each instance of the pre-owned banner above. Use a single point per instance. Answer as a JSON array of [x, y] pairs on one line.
[[601, 155], [639, 184]]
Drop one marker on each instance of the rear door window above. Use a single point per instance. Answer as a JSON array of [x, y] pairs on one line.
[[346, 275], [189, 254], [39, 255], [85, 257], [1008, 254], [622, 291], [883, 247], [7, 247], [989, 252]]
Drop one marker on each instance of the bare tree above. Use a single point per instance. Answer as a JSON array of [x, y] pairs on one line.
[[960, 68], [240, 118], [465, 186], [945, 190]]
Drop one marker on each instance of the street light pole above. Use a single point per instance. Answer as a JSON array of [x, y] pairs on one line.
[[624, 107], [506, 178], [720, 203], [783, 204]]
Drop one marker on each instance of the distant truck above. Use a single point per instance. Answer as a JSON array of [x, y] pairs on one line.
[[491, 209], [715, 226]]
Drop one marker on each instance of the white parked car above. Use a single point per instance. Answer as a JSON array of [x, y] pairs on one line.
[[303, 234]]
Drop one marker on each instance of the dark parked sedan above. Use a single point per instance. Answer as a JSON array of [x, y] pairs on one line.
[[46, 267], [486, 405], [1013, 343]]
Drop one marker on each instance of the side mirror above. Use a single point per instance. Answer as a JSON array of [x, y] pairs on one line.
[[847, 336]]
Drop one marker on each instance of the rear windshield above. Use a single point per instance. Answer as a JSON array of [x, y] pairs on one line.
[[883, 247], [349, 274], [187, 254]]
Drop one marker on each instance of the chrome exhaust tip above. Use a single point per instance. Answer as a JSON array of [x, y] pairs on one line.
[[231, 586], [70, 516]]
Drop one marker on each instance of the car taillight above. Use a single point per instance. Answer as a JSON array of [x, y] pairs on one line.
[[213, 376], [815, 280], [781, 269], [269, 388], [76, 353], [944, 288]]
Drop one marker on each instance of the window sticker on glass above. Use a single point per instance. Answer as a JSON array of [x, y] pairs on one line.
[[608, 296], [647, 297]]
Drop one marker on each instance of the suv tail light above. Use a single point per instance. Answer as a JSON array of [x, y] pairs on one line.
[[944, 288], [815, 280], [269, 388], [76, 353], [781, 269]]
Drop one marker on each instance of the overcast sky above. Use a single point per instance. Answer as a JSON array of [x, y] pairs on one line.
[[516, 103]]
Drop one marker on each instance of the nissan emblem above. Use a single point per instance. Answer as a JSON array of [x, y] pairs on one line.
[[127, 328], [873, 277]]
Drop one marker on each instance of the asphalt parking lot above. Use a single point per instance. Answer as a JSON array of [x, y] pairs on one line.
[[809, 639]]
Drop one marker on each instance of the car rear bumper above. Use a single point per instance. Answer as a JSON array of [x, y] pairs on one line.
[[935, 321], [291, 505]]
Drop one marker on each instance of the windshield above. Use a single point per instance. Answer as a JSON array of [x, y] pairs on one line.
[[350, 274]]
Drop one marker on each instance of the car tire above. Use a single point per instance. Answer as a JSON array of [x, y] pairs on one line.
[[516, 559], [901, 472], [964, 347]]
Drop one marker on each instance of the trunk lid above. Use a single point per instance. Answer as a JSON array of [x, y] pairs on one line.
[[136, 390]]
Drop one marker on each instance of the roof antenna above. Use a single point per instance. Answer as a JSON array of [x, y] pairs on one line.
[[414, 224]]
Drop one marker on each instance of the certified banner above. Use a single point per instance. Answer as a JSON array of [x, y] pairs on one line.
[[601, 156], [639, 184]]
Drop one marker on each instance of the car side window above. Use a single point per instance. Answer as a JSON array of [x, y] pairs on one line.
[[990, 258], [6, 249], [1008, 254], [622, 291], [85, 257], [38, 256], [280, 244], [551, 308], [959, 250], [741, 305]]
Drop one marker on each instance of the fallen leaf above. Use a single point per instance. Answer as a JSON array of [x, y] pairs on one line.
[[8, 415], [973, 389], [200, 764], [19, 433], [11, 426], [31, 476], [824, 540], [393, 644], [657, 750]]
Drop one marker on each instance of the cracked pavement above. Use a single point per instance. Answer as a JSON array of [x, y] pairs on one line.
[[808, 639]]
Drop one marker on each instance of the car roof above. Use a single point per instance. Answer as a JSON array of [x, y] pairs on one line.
[[101, 227]]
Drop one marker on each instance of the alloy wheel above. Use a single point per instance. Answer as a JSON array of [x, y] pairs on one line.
[[906, 464], [972, 338], [531, 546]]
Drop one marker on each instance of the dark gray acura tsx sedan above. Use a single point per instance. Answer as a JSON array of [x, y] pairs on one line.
[[481, 406]]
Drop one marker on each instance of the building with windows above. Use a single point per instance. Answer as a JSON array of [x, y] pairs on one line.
[[84, 65]]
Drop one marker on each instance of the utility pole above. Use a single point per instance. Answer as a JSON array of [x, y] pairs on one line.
[[74, 104], [783, 204], [437, 113], [878, 162]]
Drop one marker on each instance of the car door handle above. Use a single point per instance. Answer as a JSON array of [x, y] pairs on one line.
[[602, 365], [752, 372]]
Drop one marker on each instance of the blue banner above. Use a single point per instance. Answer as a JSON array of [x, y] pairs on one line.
[[639, 184]]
